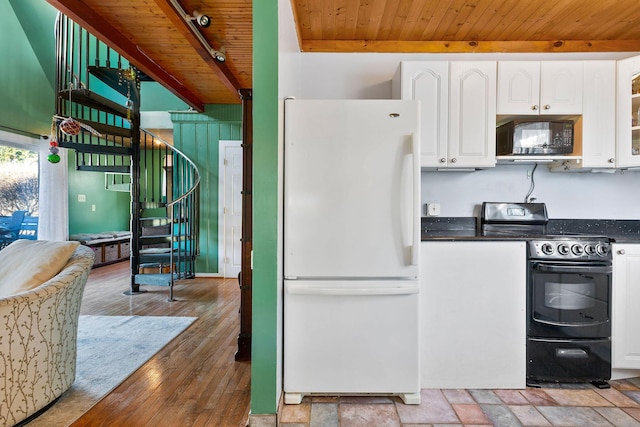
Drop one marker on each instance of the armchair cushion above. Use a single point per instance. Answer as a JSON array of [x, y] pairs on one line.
[[26, 264]]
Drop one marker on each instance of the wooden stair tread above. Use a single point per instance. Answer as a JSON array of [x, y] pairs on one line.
[[93, 100]]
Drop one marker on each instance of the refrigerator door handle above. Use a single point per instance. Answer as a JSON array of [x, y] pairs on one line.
[[313, 290], [415, 149]]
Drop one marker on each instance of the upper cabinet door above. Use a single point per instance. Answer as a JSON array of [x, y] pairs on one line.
[[519, 87], [561, 87], [599, 115], [472, 113], [429, 83], [628, 127], [539, 88]]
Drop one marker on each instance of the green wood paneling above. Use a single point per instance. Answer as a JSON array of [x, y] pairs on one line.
[[197, 136]]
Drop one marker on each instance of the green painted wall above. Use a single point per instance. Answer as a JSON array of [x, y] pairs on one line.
[[197, 136], [112, 207], [264, 351], [155, 97], [27, 70]]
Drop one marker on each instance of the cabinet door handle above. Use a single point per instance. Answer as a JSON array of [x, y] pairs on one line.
[[621, 252], [534, 107], [454, 160], [612, 160], [547, 107], [443, 160]]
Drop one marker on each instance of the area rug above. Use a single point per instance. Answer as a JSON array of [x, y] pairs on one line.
[[110, 348]]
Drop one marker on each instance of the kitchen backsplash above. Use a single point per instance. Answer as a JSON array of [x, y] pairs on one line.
[[567, 195]]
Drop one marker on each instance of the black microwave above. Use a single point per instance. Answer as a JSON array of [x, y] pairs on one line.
[[534, 138]]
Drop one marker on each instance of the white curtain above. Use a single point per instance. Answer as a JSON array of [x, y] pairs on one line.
[[53, 223]]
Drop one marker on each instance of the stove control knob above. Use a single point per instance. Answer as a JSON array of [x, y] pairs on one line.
[[563, 249], [547, 248], [602, 250], [577, 250], [589, 249]]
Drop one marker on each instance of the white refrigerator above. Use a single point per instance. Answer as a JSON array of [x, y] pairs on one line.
[[351, 248]]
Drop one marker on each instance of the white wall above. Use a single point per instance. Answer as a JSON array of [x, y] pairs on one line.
[[568, 195]]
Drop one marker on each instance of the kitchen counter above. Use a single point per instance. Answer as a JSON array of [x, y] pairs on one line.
[[467, 228]]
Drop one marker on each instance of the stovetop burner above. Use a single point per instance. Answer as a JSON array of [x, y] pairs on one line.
[[529, 220]]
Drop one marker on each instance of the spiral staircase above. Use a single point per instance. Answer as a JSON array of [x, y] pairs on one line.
[[99, 90]]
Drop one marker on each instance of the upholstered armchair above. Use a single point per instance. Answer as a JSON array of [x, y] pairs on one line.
[[38, 335]]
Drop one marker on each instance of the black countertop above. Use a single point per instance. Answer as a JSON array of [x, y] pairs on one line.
[[467, 228]]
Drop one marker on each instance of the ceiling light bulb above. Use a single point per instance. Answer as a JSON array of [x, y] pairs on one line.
[[220, 55], [203, 20]]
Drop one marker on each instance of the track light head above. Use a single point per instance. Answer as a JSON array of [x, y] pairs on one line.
[[220, 55], [203, 20]]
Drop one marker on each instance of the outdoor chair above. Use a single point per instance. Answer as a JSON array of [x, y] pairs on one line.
[[10, 232]]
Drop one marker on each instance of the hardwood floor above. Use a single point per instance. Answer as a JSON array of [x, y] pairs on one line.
[[194, 380]]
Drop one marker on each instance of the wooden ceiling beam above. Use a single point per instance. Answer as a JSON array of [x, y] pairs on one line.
[[361, 46], [219, 68], [99, 27]]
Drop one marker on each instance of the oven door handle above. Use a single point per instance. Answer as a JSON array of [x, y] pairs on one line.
[[556, 268]]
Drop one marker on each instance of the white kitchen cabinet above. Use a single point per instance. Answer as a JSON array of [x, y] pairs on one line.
[[472, 112], [628, 123], [625, 338], [599, 115], [458, 110], [539, 87], [472, 302], [428, 82]]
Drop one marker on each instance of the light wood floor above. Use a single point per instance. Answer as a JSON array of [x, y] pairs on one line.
[[194, 380]]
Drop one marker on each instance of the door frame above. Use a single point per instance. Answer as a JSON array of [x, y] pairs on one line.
[[222, 145]]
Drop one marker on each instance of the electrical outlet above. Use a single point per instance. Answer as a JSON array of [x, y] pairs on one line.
[[433, 209], [82, 198]]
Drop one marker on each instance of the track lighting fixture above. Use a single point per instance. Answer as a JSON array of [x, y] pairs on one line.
[[203, 20], [220, 55]]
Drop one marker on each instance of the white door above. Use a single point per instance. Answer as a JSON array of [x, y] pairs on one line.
[[628, 131], [625, 314], [231, 161], [561, 87], [352, 178], [599, 114], [472, 114], [429, 83], [519, 87], [351, 337]]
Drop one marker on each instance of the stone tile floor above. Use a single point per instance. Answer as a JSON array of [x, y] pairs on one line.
[[567, 405]]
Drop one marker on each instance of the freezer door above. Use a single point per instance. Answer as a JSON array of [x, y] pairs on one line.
[[351, 337], [351, 188]]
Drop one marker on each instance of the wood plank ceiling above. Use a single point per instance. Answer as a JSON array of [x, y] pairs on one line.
[[156, 38]]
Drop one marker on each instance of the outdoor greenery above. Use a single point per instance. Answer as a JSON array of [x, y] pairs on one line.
[[18, 181]]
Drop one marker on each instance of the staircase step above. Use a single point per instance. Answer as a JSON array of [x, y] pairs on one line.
[[93, 100], [96, 149], [155, 279], [152, 205], [105, 168], [152, 240], [106, 129], [163, 256], [113, 78], [155, 221]]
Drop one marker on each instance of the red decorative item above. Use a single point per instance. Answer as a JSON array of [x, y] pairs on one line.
[[70, 126]]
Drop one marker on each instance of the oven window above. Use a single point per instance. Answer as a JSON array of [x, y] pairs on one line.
[[570, 298]]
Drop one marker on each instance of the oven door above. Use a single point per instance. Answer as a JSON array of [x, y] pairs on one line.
[[569, 300]]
